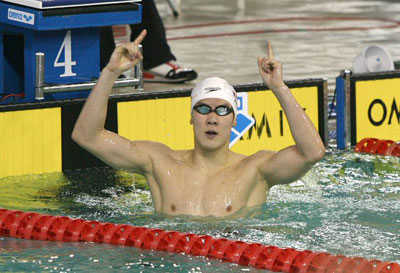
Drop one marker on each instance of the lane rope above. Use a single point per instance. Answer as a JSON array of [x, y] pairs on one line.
[[34, 226], [378, 146]]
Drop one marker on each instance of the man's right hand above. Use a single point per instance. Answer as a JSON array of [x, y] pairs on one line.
[[271, 70], [126, 56]]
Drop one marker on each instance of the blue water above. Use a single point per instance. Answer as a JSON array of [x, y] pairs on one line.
[[347, 204]]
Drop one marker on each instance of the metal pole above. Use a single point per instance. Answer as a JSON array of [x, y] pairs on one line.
[[325, 115], [340, 112], [39, 90], [343, 125], [86, 86], [138, 72], [347, 74]]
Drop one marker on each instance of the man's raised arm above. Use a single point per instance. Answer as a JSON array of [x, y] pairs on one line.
[[293, 162], [89, 130]]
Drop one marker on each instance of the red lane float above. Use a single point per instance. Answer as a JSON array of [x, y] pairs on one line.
[[34, 226], [378, 146]]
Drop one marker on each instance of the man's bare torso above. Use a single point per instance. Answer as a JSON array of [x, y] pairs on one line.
[[179, 187]]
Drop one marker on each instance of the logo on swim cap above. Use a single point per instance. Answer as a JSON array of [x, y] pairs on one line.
[[214, 87]]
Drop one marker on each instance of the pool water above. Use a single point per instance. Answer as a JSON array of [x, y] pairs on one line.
[[347, 204]]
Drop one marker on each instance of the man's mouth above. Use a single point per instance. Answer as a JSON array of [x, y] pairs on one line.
[[211, 133]]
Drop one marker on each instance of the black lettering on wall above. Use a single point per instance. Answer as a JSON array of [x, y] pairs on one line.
[[281, 115], [373, 103], [260, 127], [394, 110]]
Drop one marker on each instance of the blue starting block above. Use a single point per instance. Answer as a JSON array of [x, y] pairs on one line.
[[50, 48]]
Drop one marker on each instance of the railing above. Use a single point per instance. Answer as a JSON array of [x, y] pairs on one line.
[[42, 88]]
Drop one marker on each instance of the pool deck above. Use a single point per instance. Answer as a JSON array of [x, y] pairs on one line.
[[312, 39]]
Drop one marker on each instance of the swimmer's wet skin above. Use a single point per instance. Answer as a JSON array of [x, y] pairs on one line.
[[210, 179]]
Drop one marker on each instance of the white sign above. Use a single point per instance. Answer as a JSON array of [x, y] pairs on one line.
[[21, 16]]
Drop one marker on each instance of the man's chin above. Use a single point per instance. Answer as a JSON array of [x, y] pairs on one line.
[[211, 145]]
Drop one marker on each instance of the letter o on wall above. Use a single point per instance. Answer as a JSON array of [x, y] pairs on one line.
[[373, 103]]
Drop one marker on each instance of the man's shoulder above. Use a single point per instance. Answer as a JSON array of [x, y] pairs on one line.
[[152, 147], [255, 158], [261, 155], [161, 149]]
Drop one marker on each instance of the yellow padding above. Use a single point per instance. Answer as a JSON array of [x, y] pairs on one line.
[[378, 109], [30, 142], [162, 120], [271, 129]]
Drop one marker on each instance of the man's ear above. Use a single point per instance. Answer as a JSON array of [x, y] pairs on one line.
[[234, 122], [191, 122]]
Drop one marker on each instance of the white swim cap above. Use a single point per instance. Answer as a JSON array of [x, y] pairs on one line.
[[214, 87]]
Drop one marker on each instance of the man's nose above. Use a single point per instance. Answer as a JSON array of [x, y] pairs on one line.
[[212, 119]]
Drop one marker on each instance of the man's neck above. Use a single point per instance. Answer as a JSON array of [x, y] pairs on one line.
[[210, 160]]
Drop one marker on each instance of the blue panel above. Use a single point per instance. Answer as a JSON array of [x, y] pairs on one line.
[[69, 40], [1, 64], [17, 16], [57, 3], [233, 136], [340, 113], [47, 4], [89, 20], [240, 103], [33, 19], [78, 49], [242, 122]]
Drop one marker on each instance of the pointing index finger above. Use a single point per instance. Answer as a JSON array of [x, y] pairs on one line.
[[141, 36], [270, 53]]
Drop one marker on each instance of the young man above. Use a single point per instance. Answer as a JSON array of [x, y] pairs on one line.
[[210, 179]]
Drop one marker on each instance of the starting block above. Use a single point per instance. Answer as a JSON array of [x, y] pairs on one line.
[[50, 49]]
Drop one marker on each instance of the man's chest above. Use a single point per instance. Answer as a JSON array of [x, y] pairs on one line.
[[189, 191]]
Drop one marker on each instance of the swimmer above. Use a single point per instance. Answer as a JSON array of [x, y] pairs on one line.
[[210, 179]]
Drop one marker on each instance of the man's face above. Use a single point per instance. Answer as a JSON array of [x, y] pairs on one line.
[[212, 131]]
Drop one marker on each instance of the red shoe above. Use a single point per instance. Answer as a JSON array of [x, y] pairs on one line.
[[169, 72]]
